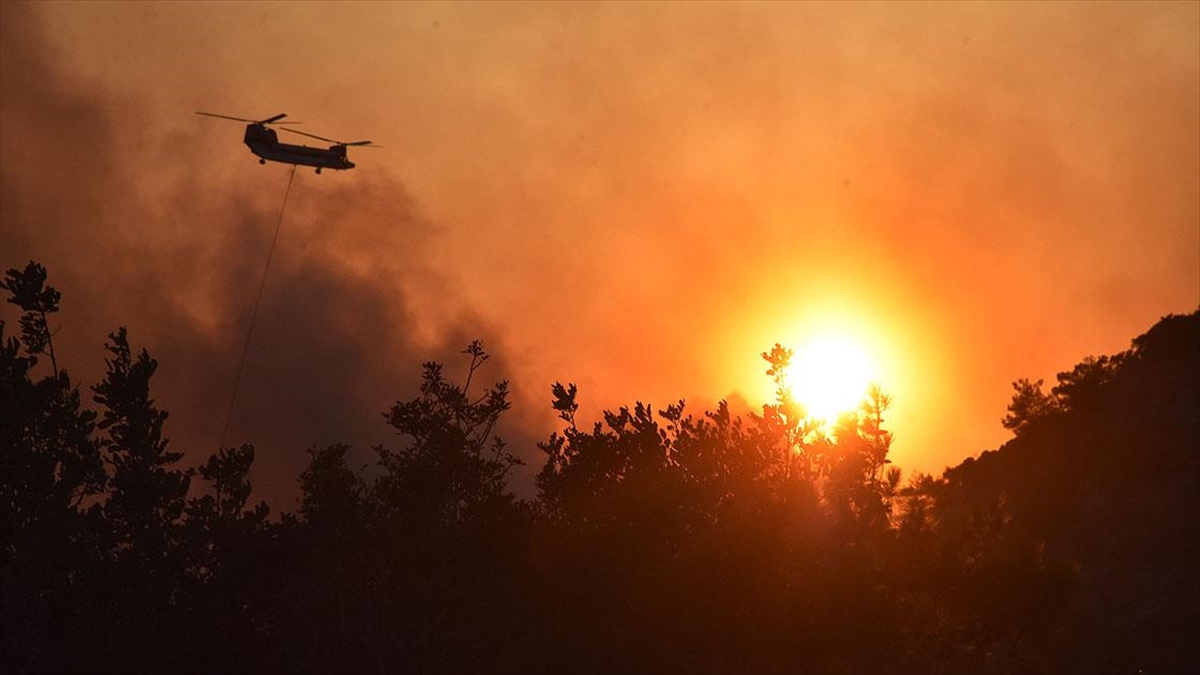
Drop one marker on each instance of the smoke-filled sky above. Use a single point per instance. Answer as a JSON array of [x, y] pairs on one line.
[[640, 198]]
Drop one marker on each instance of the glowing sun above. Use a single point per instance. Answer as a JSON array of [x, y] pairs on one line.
[[830, 375]]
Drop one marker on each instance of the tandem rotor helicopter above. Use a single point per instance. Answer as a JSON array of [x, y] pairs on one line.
[[264, 142]]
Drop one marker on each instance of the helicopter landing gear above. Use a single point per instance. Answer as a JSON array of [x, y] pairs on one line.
[[262, 161], [318, 169]]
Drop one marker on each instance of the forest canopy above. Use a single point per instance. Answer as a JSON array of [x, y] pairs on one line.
[[661, 539]]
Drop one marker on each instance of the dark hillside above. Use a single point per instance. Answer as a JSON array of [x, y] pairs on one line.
[[1107, 474]]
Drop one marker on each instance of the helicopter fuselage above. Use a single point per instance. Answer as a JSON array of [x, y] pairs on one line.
[[264, 142]]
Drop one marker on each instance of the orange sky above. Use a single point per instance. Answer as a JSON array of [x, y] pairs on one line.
[[639, 198]]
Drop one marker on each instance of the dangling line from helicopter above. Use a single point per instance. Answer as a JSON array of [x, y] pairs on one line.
[[254, 314]]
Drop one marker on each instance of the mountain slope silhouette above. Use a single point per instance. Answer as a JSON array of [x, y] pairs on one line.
[[1110, 478]]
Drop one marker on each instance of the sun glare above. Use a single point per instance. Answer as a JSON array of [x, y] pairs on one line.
[[829, 375]]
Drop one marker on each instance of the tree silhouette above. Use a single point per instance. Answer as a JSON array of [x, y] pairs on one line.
[[1028, 406], [50, 465], [219, 528], [232, 570], [329, 609], [143, 512], [50, 461], [856, 486], [147, 495], [28, 290], [452, 466], [331, 494], [789, 416], [443, 516], [1083, 386]]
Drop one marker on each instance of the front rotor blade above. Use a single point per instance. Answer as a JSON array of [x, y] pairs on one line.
[[273, 119], [227, 117]]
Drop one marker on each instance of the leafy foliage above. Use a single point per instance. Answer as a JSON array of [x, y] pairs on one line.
[[147, 496], [1028, 406], [453, 466], [29, 291]]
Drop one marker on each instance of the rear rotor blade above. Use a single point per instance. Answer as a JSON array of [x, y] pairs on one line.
[[319, 138], [274, 119], [363, 144]]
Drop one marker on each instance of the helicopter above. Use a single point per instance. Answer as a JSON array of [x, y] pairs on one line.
[[264, 142]]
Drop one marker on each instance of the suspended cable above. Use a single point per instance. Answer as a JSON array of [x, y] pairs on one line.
[[237, 380]]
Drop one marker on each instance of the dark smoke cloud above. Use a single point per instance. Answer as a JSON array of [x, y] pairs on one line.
[[338, 336]]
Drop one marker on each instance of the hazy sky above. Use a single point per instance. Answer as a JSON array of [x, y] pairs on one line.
[[639, 198]]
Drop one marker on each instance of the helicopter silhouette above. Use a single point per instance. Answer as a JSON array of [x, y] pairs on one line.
[[264, 142]]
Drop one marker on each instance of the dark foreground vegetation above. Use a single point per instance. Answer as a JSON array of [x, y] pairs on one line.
[[660, 540]]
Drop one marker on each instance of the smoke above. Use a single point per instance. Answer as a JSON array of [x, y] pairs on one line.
[[136, 232], [637, 198]]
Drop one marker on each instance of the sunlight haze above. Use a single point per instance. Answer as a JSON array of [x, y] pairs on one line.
[[829, 376]]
